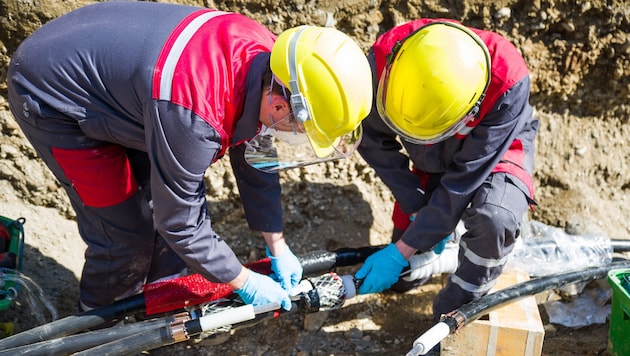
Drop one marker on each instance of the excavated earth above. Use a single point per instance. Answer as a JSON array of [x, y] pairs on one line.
[[579, 57]]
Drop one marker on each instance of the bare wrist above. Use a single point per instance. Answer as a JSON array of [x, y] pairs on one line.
[[275, 242], [404, 249], [239, 281]]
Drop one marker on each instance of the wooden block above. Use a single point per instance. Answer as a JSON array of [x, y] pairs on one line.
[[514, 329]]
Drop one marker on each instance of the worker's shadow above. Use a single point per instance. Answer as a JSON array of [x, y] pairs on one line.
[[325, 216], [316, 217]]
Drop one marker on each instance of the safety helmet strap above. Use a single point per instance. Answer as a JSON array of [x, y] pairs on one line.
[[297, 100]]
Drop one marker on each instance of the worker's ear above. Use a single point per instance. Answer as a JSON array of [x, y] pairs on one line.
[[273, 108], [279, 105]]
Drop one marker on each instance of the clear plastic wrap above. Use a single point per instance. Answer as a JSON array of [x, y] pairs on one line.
[[544, 250]]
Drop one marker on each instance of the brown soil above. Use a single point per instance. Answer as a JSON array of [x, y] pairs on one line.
[[579, 56]]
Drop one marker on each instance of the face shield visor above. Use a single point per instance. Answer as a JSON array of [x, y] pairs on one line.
[[296, 140], [286, 145]]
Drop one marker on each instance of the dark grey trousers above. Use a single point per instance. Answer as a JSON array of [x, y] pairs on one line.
[[123, 249], [493, 222]]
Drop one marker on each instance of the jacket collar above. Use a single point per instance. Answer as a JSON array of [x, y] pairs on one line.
[[247, 125]]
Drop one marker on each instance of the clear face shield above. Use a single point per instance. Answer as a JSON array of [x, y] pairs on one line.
[[297, 140], [288, 142], [286, 145]]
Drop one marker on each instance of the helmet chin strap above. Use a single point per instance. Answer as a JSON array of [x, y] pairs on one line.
[[273, 78], [298, 101]]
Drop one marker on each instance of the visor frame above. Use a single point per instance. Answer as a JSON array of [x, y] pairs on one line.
[[268, 153]]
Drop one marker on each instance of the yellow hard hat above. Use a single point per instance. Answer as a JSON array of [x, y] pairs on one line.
[[330, 82], [434, 82]]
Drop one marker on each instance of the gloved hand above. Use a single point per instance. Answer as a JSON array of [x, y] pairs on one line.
[[381, 270], [261, 290], [286, 268], [439, 248]]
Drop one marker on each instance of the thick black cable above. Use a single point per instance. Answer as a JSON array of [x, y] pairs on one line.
[[132, 344], [620, 245], [163, 336], [315, 262], [76, 323], [474, 310], [318, 262], [74, 343]]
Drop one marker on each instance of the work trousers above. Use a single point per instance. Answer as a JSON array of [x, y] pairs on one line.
[[492, 221], [123, 250]]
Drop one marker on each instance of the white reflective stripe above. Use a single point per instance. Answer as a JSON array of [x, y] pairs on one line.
[[168, 71], [481, 261], [472, 288]]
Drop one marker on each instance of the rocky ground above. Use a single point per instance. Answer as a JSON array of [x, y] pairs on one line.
[[579, 56]]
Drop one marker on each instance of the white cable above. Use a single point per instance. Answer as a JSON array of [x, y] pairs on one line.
[[432, 337], [348, 284], [227, 317]]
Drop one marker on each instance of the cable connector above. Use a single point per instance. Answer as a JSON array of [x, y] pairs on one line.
[[178, 329]]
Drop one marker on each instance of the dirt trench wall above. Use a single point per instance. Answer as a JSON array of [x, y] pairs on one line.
[[578, 53], [572, 49]]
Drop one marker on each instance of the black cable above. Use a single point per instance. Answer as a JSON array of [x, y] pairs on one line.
[[163, 336], [315, 262], [74, 343], [458, 318], [474, 310], [75, 323], [323, 261], [132, 344], [620, 245], [307, 302]]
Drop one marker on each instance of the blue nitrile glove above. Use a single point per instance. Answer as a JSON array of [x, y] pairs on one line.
[[439, 248], [381, 270], [261, 290], [286, 268]]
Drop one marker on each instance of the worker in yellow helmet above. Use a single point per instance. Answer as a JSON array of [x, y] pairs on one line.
[[452, 135], [319, 72], [129, 113]]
